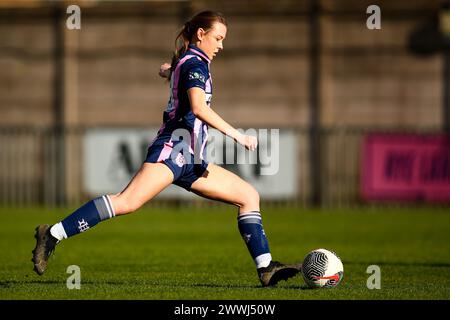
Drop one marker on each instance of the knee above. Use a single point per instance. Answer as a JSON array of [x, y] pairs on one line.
[[255, 196], [250, 199]]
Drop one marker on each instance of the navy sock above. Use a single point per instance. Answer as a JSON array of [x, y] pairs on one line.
[[251, 229], [88, 216]]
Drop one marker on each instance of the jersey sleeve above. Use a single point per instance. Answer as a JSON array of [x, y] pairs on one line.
[[194, 74]]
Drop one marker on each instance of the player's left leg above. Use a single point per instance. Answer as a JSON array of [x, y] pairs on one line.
[[220, 184]]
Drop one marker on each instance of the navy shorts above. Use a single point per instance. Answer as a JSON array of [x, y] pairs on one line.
[[182, 164]]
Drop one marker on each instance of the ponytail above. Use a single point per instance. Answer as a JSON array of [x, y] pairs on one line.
[[181, 44]]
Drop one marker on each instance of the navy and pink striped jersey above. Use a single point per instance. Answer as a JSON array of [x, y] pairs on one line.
[[192, 70]]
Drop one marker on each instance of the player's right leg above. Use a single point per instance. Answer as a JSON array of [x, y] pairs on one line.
[[150, 180], [220, 184]]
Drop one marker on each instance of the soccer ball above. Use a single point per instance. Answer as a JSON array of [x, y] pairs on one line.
[[322, 269]]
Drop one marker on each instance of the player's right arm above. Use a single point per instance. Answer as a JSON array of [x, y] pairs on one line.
[[203, 112], [164, 70]]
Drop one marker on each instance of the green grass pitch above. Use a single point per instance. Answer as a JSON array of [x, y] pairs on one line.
[[197, 253]]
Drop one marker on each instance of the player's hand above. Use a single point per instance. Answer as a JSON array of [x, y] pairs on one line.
[[249, 142], [164, 70]]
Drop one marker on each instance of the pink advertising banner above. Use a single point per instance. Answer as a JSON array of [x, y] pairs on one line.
[[406, 167]]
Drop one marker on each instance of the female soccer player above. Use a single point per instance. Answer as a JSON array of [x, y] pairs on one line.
[[176, 156]]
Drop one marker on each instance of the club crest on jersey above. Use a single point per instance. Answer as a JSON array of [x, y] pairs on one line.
[[193, 75], [180, 160]]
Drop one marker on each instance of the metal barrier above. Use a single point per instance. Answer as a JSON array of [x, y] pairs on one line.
[[42, 166]]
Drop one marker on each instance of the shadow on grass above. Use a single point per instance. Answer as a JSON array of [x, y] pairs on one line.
[[215, 285], [401, 264], [9, 283], [233, 286], [12, 283]]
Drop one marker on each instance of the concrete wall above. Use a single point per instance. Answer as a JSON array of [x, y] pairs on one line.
[[26, 68], [262, 78]]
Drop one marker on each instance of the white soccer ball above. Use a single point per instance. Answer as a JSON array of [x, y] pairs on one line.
[[322, 269]]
